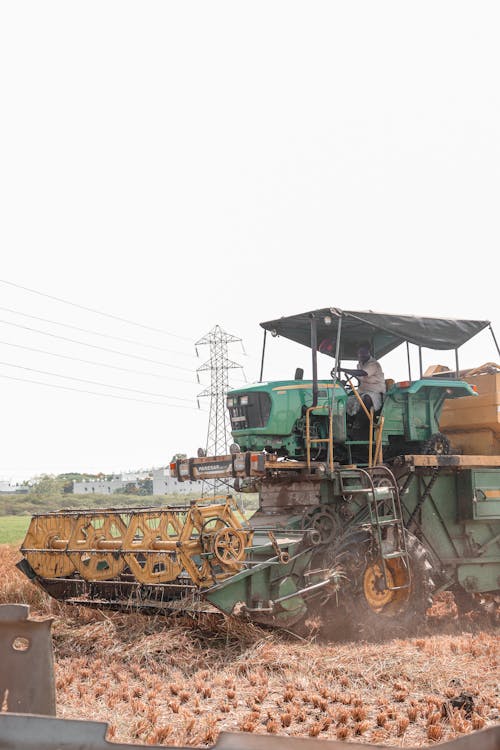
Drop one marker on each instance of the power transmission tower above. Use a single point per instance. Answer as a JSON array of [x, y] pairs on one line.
[[219, 364]]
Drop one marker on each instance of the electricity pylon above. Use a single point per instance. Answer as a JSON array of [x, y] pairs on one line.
[[219, 364]]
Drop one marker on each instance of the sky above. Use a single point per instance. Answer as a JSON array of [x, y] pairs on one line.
[[182, 165]]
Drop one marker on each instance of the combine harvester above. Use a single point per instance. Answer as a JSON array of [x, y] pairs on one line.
[[360, 529]]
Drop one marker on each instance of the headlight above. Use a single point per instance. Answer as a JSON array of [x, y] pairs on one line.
[[230, 402], [243, 400]]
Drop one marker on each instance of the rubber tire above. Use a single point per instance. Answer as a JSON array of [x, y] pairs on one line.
[[405, 618]]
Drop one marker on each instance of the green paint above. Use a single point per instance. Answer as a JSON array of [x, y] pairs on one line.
[[270, 416]]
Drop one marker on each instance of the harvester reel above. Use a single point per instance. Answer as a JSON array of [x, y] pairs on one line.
[[88, 546], [146, 532], [206, 523], [46, 559]]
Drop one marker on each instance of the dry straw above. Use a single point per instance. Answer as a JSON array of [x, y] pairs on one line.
[[181, 681]]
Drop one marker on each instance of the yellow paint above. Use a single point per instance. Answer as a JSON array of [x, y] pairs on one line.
[[208, 541], [380, 599], [283, 388]]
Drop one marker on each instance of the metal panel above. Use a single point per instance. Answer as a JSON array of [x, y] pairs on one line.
[[486, 494], [43, 733], [27, 670]]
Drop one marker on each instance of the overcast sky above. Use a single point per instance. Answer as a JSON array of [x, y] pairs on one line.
[[183, 165]]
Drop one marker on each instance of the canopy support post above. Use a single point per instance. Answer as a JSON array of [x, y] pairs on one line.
[[494, 339], [314, 350], [337, 349], [408, 358], [262, 357]]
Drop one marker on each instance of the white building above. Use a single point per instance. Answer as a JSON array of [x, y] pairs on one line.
[[135, 476], [99, 486], [6, 486], [164, 484]]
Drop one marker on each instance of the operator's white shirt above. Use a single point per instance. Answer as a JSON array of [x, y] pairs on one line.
[[373, 381], [373, 384]]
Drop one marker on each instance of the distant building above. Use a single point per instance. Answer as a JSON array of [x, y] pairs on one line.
[[135, 476], [164, 484], [99, 486], [18, 489]]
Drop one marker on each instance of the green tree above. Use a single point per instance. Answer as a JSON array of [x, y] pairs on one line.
[[68, 478], [130, 488], [47, 485], [145, 486]]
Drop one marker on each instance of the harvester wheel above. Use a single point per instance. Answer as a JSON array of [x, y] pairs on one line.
[[229, 546], [322, 520], [375, 609]]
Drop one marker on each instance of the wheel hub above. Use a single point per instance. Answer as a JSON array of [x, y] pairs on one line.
[[377, 591]]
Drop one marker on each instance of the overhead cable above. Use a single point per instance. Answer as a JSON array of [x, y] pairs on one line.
[[101, 364], [94, 382], [94, 310], [168, 378], [96, 393], [95, 346], [97, 333]]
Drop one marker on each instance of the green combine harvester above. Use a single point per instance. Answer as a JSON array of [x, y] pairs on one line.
[[357, 529]]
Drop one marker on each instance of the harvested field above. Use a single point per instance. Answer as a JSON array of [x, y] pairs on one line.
[[183, 682]]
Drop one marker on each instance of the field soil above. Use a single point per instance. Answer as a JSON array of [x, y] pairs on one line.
[[182, 681]]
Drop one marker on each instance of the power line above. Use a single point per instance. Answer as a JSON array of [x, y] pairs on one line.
[[93, 310], [101, 364], [94, 346], [96, 333], [94, 382], [96, 393]]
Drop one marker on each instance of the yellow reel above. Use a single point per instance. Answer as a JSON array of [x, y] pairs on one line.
[[94, 546], [150, 546], [40, 545]]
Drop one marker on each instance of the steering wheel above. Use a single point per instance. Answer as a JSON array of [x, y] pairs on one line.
[[347, 383]]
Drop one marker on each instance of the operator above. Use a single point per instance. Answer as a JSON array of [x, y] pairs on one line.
[[371, 383]]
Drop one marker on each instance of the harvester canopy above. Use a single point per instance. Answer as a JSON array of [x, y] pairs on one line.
[[385, 332]]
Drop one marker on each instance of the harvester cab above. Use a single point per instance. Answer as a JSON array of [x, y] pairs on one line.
[[307, 419]]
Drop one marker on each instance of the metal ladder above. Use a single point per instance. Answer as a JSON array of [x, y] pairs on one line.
[[328, 440], [380, 489]]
